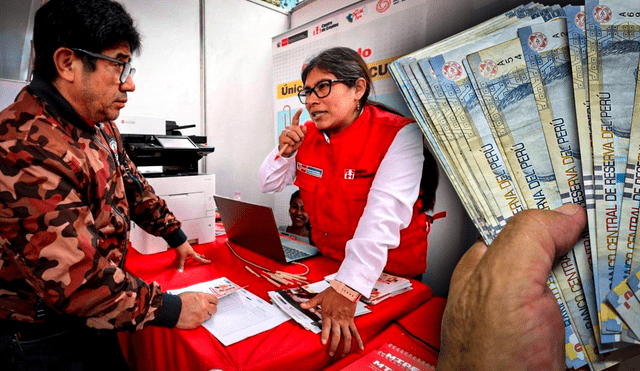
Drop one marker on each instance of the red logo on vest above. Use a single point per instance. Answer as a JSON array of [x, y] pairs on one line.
[[349, 174]]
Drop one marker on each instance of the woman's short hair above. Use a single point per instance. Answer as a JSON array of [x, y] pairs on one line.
[[345, 64]]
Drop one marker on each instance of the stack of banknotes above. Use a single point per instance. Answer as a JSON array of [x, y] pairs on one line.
[[536, 108]]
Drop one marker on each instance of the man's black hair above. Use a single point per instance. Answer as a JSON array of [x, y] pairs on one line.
[[295, 195], [93, 25]]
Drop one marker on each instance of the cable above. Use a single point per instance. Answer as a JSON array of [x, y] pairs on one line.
[[261, 267], [245, 260], [306, 267]]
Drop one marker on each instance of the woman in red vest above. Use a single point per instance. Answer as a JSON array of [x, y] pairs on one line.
[[359, 168]]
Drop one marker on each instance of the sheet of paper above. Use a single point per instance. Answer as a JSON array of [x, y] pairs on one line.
[[220, 287], [240, 314]]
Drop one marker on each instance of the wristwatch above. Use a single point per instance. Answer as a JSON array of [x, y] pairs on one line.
[[345, 290]]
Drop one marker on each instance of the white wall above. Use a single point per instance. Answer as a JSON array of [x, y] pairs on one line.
[[238, 100], [168, 68], [9, 89], [239, 108], [16, 29]]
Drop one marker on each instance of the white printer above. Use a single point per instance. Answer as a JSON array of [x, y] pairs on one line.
[[169, 162], [190, 198]]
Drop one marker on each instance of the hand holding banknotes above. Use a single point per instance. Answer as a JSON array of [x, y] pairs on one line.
[[291, 137], [500, 314]]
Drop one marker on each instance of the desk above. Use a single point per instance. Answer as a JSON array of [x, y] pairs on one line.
[[286, 347]]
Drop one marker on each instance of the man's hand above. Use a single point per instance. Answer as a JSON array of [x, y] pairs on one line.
[[337, 320], [500, 314], [186, 251], [197, 307]]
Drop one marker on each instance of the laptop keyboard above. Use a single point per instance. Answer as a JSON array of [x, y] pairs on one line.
[[293, 253]]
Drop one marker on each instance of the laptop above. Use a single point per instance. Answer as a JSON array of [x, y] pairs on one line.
[[254, 227]]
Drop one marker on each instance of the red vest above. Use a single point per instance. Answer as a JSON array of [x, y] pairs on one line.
[[335, 178]]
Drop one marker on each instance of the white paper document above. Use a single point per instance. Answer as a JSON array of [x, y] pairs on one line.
[[240, 314]]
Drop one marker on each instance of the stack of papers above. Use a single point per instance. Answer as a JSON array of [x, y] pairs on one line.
[[240, 314], [289, 301], [386, 287]]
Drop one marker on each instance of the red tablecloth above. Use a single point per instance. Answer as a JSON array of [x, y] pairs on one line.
[[417, 333], [286, 347]]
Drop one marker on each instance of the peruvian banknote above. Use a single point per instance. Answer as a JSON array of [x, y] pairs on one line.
[[466, 108], [613, 59], [502, 76]]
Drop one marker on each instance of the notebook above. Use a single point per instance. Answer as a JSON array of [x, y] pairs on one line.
[[254, 227]]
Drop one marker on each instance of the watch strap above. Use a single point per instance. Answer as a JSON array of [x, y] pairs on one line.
[[345, 290]]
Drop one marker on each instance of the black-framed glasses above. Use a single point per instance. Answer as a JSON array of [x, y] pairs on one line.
[[322, 89], [127, 70]]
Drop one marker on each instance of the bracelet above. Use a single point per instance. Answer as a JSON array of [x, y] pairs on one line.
[[345, 290]]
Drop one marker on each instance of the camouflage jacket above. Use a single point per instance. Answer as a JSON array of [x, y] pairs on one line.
[[67, 194]]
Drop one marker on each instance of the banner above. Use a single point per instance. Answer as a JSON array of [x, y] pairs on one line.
[[380, 31]]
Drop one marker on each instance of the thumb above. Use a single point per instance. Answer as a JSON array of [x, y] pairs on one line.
[[311, 303], [551, 233], [533, 239], [181, 260], [466, 266]]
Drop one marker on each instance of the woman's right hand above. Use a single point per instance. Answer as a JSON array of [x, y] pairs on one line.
[[291, 137]]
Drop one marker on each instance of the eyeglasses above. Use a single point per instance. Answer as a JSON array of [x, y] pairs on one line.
[[127, 70], [322, 89]]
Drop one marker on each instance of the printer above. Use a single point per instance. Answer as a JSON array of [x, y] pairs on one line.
[[169, 162]]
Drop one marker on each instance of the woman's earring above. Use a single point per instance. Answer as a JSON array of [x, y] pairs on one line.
[[358, 106]]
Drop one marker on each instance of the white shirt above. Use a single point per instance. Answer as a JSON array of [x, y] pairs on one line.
[[389, 207]]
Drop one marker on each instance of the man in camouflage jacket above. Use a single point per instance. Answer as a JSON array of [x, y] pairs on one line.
[[68, 192]]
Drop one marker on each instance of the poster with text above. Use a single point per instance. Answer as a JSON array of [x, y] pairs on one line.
[[379, 30]]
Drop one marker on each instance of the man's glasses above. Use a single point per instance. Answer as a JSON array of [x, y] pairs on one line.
[[127, 70], [322, 89]]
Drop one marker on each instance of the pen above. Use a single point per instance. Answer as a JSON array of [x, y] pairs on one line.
[[271, 281], [252, 271], [284, 148], [279, 279], [292, 277]]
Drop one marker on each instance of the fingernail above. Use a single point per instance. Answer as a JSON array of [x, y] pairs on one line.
[[569, 209], [180, 270], [330, 354]]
